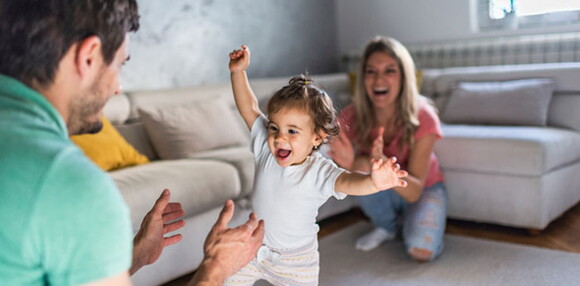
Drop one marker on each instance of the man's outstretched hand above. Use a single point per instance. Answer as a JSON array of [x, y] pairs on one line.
[[150, 239], [227, 250]]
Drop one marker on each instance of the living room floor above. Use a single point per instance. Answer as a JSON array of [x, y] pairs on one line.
[[561, 234]]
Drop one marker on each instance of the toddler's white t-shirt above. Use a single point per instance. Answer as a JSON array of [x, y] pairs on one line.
[[288, 198]]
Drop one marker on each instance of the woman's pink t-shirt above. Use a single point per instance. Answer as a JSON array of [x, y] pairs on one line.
[[428, 124]]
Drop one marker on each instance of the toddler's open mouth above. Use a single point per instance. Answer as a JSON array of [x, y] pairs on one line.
[[283, 153]]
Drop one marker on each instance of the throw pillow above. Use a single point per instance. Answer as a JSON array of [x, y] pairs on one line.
[[108, 149], [180, 131], [516, 102]]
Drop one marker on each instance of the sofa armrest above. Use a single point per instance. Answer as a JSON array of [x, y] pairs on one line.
[[241, 158], [199, 185]]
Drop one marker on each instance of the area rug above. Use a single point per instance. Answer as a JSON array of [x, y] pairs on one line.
[[465, 261]]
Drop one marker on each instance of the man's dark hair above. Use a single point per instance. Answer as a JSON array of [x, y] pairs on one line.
[[36, 34]]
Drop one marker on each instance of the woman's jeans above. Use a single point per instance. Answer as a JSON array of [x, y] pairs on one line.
[[423, 221]]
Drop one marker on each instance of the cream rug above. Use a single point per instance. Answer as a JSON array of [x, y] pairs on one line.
[[465, 261]]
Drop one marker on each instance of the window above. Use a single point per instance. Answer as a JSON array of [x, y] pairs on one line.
[[500, 9], [518, 14]]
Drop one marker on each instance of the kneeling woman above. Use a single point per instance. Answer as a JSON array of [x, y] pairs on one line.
[[388, 113]]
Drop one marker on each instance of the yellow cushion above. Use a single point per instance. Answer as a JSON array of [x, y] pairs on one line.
[[108, 149]]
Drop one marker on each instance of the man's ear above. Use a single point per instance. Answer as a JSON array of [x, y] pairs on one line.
[[89, 59]]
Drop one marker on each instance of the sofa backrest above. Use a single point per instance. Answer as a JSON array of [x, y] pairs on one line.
[[118, 111], [122, 110], [562, 112]]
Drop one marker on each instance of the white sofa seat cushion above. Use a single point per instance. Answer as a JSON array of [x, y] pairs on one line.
[[199, 185], [514, 150]]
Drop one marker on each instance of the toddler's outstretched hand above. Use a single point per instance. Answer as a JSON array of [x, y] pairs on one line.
[[386, 174], [240, 59]]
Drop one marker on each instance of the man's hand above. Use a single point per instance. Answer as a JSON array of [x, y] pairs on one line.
[[227, 250], [150, 241]]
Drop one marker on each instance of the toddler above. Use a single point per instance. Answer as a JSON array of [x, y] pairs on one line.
[[292, 181]]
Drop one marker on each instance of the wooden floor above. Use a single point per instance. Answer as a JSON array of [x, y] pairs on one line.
[[562, 234]]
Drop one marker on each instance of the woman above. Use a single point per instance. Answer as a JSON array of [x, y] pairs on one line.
[[388, 117]]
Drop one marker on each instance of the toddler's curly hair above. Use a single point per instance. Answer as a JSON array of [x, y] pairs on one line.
[[302, 93]]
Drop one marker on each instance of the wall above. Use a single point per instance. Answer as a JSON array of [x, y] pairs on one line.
[[416, 21], [186, 42]]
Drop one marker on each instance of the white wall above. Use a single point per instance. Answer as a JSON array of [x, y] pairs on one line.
[[186, 42], [414, 21]]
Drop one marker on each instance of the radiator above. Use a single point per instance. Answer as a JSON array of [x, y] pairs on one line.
[[528, 49]]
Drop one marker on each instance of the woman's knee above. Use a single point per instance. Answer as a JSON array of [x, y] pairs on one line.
[[424, 248], [421, 254]]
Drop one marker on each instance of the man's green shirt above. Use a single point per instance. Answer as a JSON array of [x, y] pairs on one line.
[[63, 220]]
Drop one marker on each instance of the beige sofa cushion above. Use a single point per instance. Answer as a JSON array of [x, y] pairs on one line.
[[180, 131], [136, 135], [516, 102], [563, 110]]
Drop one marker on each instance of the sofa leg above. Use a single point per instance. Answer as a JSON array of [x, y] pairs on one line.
[[534, 231]]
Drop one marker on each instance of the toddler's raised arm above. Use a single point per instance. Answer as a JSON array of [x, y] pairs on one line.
[[245, 99]]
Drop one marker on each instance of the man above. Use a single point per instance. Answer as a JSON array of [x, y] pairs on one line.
[[63, 219]]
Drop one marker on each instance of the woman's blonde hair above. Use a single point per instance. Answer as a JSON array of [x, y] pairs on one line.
[[407, 102]]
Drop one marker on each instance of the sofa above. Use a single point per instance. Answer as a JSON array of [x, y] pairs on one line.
[[201, 176], [500, 170], [497, 172]]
